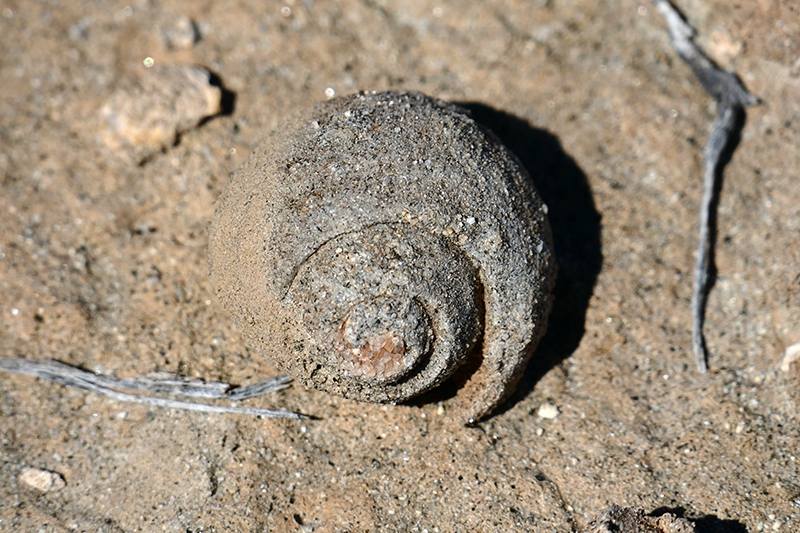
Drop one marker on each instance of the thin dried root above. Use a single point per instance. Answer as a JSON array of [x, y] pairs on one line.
[[732, 97], [163, 383]]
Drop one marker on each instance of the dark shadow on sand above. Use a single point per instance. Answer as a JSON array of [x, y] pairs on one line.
[[704, 524]]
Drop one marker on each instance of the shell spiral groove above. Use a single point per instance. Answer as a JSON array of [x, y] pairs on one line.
[[377, 242]]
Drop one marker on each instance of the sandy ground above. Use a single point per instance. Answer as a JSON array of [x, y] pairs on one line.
[[103, 265]]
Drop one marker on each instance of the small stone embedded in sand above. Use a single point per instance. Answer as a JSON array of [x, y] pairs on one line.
[[181, 34], [633, 520], [165, 102], [43, 480], [791, 355], [547, 410]]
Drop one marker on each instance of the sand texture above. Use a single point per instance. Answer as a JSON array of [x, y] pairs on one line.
[[103, 265]]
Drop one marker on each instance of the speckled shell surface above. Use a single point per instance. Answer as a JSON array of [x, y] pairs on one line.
[[375, 243]]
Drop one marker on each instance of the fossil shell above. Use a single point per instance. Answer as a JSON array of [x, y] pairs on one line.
[[377, 243]]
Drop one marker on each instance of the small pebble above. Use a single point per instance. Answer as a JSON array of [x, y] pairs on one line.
[[791, 355], [547, 410], [42, 480], [144, 117], [182, 34]]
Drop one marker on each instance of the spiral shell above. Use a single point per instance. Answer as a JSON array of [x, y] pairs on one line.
[[376, 243]]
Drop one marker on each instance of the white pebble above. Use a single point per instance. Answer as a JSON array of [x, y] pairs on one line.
[[791, 355], [547, 410], [42, 480]]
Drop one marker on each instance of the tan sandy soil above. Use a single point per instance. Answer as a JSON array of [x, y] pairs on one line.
[[103, 265]]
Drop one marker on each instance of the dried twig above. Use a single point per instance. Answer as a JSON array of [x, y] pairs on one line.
[[731, 97], [163, 383]]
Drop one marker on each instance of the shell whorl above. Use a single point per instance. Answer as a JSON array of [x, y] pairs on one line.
[[376, 242], [390, 311]]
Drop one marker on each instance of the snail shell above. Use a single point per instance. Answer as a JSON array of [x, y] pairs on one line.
[[377, 242]]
